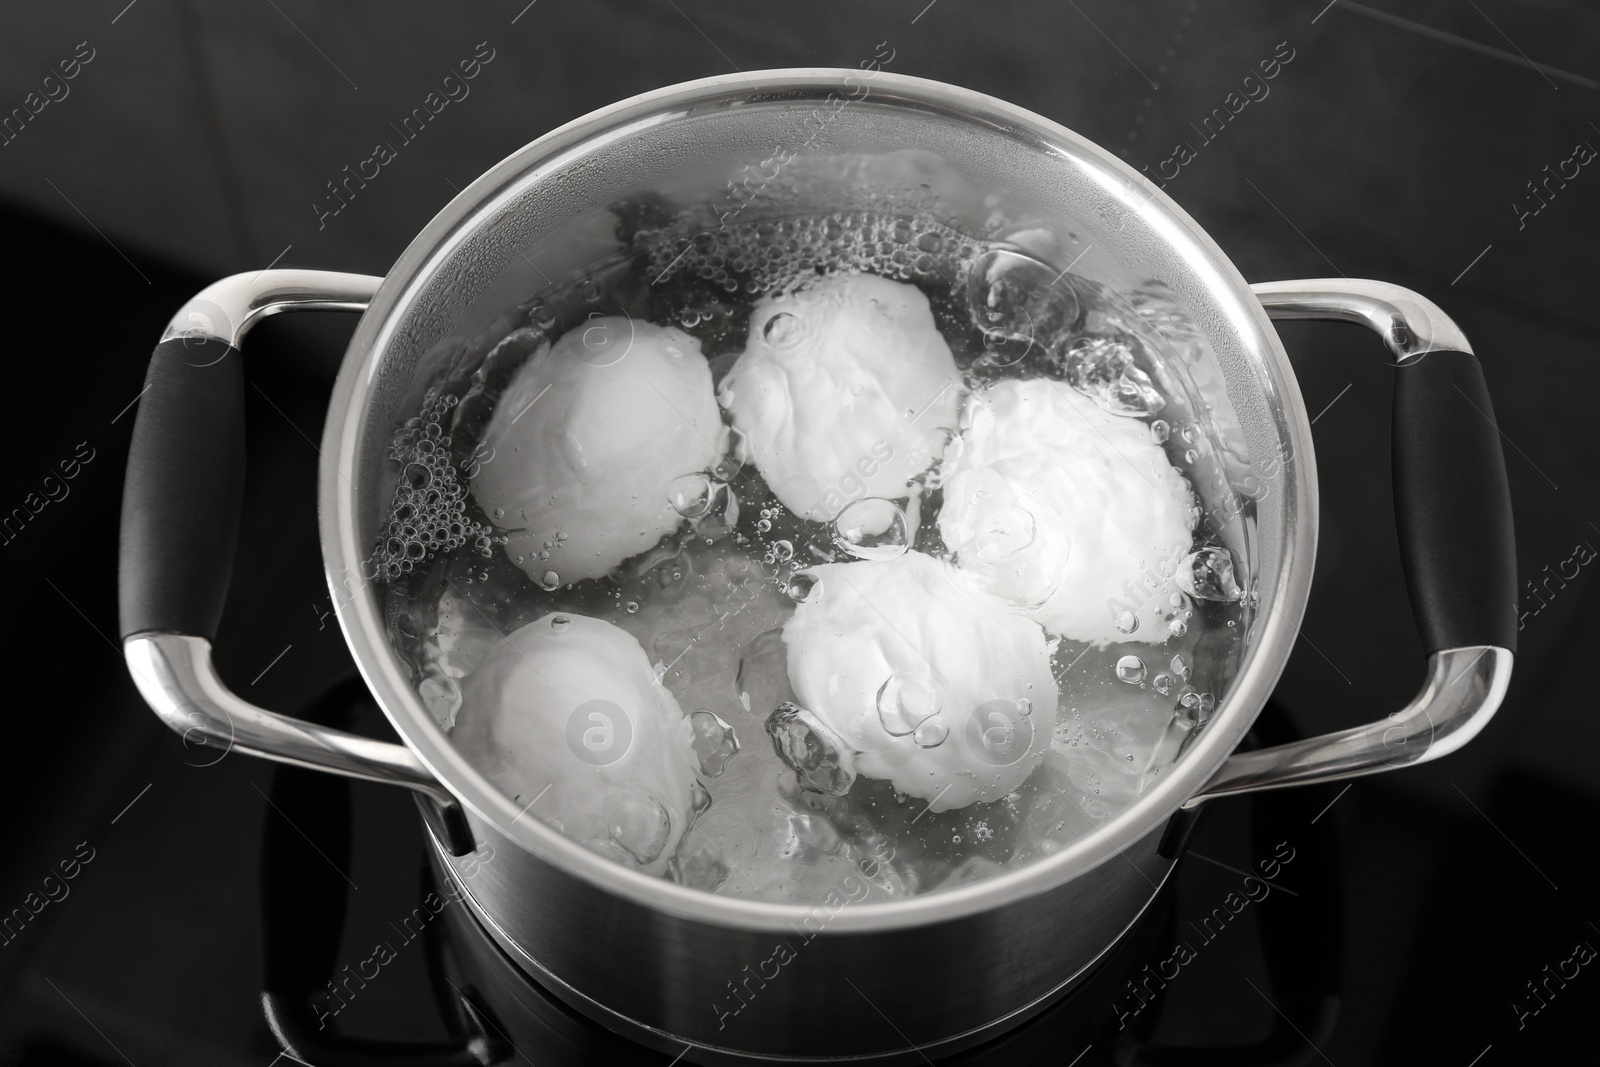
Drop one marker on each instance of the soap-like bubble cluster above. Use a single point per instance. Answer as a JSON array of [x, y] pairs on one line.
[[775, 254], [428, 514]]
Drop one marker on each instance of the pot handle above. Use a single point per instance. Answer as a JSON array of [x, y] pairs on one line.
[[181, 502], [1453, 510]]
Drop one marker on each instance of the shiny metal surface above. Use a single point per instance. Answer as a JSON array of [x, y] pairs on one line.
[[1409, 324], [225, 310], [466, 230], [1464, 685], [174, 672], [737, 998], [175, 676], [1463, 689]]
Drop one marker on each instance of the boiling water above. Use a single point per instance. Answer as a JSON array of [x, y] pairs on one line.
[[774, 809]]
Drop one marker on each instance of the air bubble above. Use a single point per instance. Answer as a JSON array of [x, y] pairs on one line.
[[872, 528], [905, 701], [783, 330], [429, 497], [774, 256], [1104, 369], [932, 733], [690, 495], [804, 588], [714, 742], [1131, 669], [1207, 574], [821, 761], [699, 801], [1019, 304], [640, 825]]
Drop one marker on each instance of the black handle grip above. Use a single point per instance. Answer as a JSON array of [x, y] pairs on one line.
[[1453, 504], [183, 491]]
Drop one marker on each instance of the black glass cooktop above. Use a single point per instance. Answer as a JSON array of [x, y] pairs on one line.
[[1429, 143]]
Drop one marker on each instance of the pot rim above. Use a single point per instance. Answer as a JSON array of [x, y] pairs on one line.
[[361, 618]]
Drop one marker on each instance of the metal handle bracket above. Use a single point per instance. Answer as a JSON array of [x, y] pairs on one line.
[[174, 671], [1465, 685]]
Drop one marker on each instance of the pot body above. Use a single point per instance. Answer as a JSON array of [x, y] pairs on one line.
[[808, 991], [673, 966]]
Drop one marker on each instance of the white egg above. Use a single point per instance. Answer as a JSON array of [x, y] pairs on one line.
[[1071, 514], [845, 390], [586, 441], [928, 681], [566, 717]]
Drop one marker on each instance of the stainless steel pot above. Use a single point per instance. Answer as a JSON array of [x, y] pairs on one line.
[[674, 967]]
